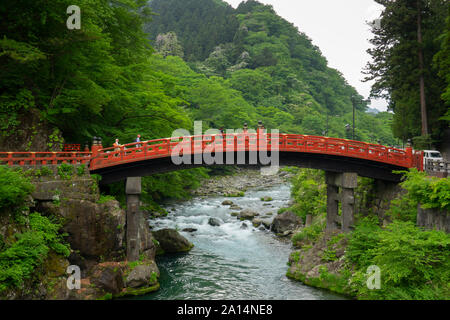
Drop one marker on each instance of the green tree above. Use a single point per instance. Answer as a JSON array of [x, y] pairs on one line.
[[404, 48]]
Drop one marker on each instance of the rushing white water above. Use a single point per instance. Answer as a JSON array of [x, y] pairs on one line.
[[229, 262]]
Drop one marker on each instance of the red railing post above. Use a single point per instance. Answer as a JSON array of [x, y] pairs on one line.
[[10, 156], [33, 159], [409, 156]]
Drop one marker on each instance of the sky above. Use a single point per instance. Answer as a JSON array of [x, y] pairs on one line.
[[339, 29]]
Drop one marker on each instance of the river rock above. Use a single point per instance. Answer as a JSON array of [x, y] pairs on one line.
[[189, 230], [214, 222], [171, 241], [286, 221], [244, 226], [266, 198], [108, 278], [227, 203], [235, 207], [256, 222], [141, 275], [248, 214], [266, 223]]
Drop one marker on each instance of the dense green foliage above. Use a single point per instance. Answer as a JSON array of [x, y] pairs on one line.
[[14, 187], [19, 260], [396, 66], [201, 24], [430, 192], [414, 263], [21, 254], [309, 193]]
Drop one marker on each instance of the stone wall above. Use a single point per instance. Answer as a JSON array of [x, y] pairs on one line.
[[376, 198], [433, 219]]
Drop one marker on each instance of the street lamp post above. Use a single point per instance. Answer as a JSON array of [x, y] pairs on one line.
[[353, 104]]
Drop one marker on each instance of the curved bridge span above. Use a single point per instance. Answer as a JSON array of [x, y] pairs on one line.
[[244, 149], [343, 160]]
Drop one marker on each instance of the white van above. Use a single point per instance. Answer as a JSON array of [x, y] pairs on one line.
[[432, 156]]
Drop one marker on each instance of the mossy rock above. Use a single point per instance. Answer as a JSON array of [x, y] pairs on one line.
[[137, 292]]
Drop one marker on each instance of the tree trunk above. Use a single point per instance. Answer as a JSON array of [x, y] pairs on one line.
[[423, 105]]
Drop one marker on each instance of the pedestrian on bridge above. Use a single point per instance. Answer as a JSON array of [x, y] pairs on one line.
[[116, 146], [138, 139]]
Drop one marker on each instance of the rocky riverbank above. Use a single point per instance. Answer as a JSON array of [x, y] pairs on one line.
[[94, 227], [236, 184]]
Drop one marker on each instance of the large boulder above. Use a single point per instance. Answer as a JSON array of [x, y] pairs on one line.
[[171, 241], [147, 241], [108, 278], [141, 276], [248, 214], [286, 221], [214, 222], [93, 229]]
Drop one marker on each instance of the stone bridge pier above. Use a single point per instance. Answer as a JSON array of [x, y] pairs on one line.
[[346, 182], [133, 194]]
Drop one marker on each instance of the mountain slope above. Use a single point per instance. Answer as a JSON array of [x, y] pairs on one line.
[[270, 62]]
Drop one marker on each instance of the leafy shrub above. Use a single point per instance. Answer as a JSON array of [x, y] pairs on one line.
[[329, 255], [45, 171], [415, 264], [407, 254], [81, 169], [14, 187], [363, 239], [50, 233], [65, 171], [19, 261], [403, 208], [105, 198], [430, 192], [309, 193], [310, 233]]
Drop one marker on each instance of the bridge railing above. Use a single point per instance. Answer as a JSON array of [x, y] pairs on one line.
[[432, 166], [43, 158], [159, 148]]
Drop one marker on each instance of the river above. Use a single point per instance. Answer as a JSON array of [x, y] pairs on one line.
[[229, 262]]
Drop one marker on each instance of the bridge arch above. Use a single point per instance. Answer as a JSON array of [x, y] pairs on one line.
[[343, 160]]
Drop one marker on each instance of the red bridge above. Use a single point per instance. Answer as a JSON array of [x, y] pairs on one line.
[[150, 157]]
